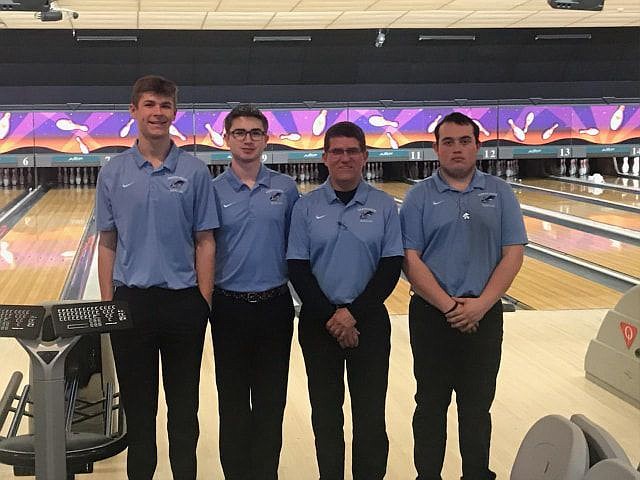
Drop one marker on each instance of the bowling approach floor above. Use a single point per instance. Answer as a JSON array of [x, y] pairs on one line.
[[542, 368]]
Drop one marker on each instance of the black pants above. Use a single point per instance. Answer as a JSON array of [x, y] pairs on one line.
[[445, 360], [172, 323], [251, 345], [367, 373]]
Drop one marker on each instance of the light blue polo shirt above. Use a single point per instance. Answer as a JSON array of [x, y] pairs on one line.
[[344, 243], [460, 235], [156, 213], [252, 239]]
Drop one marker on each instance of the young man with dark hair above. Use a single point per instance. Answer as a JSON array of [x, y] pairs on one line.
[[156, 213], [252, 320], [345, 254], [464, 241]]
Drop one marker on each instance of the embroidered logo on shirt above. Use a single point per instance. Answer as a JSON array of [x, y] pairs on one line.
[[438, 203], [178, 184], [127, 185], [275, 196], [487, 199], [366, 214], [320, 217]]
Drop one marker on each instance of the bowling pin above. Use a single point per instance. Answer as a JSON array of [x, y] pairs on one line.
[[78, 177], [392, 141], [67, 125], [563, 167], [173, 130], [517, 131], [625, 165], [294, 137], [590, 131], [65, 176], [92, 176], [21, 180], [509, 171], [316, 174], [14, 177], [636, 166], [319, 123], [5, 125], [546, 135], [484, 131], [369, 174], [5, 177], [432, 126], [573, 168], [29, 177], [617, 118], [582, 168], [302, 174], [124, 131], [528, 121], [59, 175], [380, 121], [85, 176], [83, 148], [216, 138]]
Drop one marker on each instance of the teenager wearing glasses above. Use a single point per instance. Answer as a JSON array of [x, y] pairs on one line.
[[252, 318], [345, 253]]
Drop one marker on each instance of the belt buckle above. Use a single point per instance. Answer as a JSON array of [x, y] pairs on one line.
[[253, 297]]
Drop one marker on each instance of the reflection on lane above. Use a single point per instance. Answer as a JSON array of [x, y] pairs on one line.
[[626, 198]]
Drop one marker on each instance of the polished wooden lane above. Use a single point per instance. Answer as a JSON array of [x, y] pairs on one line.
[[542, 286], [597, 213], [611, 195], [623, 181], [39, 249], [7, 195], [618, 256], [541, 374]]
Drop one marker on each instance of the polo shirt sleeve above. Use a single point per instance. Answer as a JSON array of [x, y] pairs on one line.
[[104, 212], [411, 221], [205, 211], [392, 246], [292, 196], [513, 230], [299, 246]]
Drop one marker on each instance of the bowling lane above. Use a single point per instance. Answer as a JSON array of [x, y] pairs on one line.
[[606, 215], [542, 286], [623, 181], [7, 195], [618, 196], [618, 256], [38, 251]]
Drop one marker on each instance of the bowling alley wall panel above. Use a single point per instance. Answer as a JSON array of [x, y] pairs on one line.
[[105, 131]]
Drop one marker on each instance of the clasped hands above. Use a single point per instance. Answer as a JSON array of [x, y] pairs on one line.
[[467, 314], [342, 326]]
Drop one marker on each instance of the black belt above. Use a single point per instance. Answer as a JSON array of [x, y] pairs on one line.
[[253, 297]]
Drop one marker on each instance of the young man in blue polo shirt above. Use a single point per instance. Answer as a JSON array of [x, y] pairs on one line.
[[464, 241], [252, 320], [345, 254], [155, 211]]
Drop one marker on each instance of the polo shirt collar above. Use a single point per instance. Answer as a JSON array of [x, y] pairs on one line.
[[362, 192], [478, 181], [263, 178], [170, 162]]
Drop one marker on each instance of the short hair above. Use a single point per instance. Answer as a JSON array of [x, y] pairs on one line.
[[345, 129], [245, 110], [459, 119], [154, 84]]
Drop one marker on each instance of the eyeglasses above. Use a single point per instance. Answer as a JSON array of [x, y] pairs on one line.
[[338, 152], [255, 134]]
